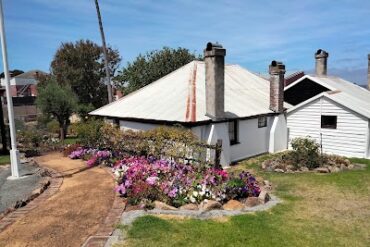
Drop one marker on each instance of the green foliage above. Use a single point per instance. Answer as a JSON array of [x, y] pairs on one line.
[[57, 101], [306, 152], [152, 66], [81, 66], [19, 125], [83, 111], [53, 127], [89, 132], [174, 142]]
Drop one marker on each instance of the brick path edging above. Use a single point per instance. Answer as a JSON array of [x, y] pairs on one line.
[[55, 183], [107, 228]]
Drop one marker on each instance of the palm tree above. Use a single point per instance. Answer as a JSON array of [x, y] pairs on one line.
[[109, 87]]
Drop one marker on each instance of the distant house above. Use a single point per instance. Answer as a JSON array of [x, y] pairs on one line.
[[214, 100], [23, 89], [331, 110]]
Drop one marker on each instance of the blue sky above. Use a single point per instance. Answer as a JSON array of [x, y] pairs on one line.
[[253, 32]]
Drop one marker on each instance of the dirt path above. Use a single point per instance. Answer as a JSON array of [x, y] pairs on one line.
[[69, 216]]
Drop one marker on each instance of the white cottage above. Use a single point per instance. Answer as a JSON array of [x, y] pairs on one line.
[[333, 111], [216, 101]]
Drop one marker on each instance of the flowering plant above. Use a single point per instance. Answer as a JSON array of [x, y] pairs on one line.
[[140, 178]]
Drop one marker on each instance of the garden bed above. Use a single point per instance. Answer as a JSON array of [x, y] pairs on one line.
[[163, 184]]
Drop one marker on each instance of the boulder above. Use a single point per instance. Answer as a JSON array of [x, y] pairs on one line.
[[263, 197], [322, 170], [163, 206], [207, 205], [251, 201], [279, 170], [267, 185], [233, 205], [350, 167], [190, 206], [304, 169]]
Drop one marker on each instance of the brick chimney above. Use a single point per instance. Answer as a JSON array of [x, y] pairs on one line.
[[368, 71], [214, 58], [277, 71], [321, 58]]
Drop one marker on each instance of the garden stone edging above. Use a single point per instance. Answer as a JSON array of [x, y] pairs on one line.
[[129, 217]]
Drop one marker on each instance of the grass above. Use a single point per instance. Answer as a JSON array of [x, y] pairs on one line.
[[4, 159], [317, 210]]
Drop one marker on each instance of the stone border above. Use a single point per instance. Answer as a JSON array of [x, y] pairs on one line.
[[129, 217], [34, 200], [108, 226]]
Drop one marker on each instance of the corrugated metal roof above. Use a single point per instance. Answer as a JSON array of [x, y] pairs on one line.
[[30, 74], [168, 98], [346, 93]]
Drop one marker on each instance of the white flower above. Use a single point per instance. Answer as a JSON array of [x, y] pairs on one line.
[[195, 193], [192, 199], [117, 173]]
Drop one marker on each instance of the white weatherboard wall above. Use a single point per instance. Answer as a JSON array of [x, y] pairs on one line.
[[252, 140], [349, 139]]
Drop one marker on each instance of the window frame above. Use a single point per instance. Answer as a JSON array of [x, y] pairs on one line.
[[260, 122], [235, 133], [329, 126]]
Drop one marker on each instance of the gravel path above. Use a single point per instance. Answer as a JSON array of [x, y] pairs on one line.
[[12, 191], [69, 216]]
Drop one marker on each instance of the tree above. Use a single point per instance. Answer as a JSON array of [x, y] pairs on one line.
[[58, 101], [81, 66], [153, 65]]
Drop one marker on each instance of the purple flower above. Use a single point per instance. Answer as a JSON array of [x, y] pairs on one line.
[[172, 193]]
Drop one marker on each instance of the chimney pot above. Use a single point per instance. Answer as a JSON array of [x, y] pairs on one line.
[[214, 58], [321, 58], [277, 71]]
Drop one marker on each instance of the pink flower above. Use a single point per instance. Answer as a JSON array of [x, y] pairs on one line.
[[151, 180]]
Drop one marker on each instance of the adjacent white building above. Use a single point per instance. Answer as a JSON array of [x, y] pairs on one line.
[[333, 111], [216, 101]]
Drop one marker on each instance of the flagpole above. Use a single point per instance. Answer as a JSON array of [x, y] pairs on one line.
[[14, 153]]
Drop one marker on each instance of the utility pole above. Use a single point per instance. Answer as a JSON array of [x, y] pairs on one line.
[[106, 62], [14, 153]]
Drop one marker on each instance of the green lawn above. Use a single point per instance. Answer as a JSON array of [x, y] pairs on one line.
[[317, 210], [4, 159]]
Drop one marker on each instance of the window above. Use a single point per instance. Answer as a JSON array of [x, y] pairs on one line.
[[262, 122], [329, 122], [233, 132]]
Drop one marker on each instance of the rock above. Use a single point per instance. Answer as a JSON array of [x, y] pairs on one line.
[[350, 167], [263, 166], [266, 182], [263, 197], [233, 205], [304, 169], [322, 170], [207, 205], [279, 170], [251, 201], [343, 167], [163, 206], [267, 185], [290, 167], [190, 206]]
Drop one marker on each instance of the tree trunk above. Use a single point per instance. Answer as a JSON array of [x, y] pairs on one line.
[[62, 134], [106, 62]]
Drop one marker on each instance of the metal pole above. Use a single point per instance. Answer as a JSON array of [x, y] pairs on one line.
[[14, 153], [106, 62]]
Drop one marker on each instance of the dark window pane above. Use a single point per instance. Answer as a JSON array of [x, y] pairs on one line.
[[329, 122], [262, 122]]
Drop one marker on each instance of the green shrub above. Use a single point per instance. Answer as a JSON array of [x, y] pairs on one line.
[[306, 152], [53, 127], [89, 132]]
